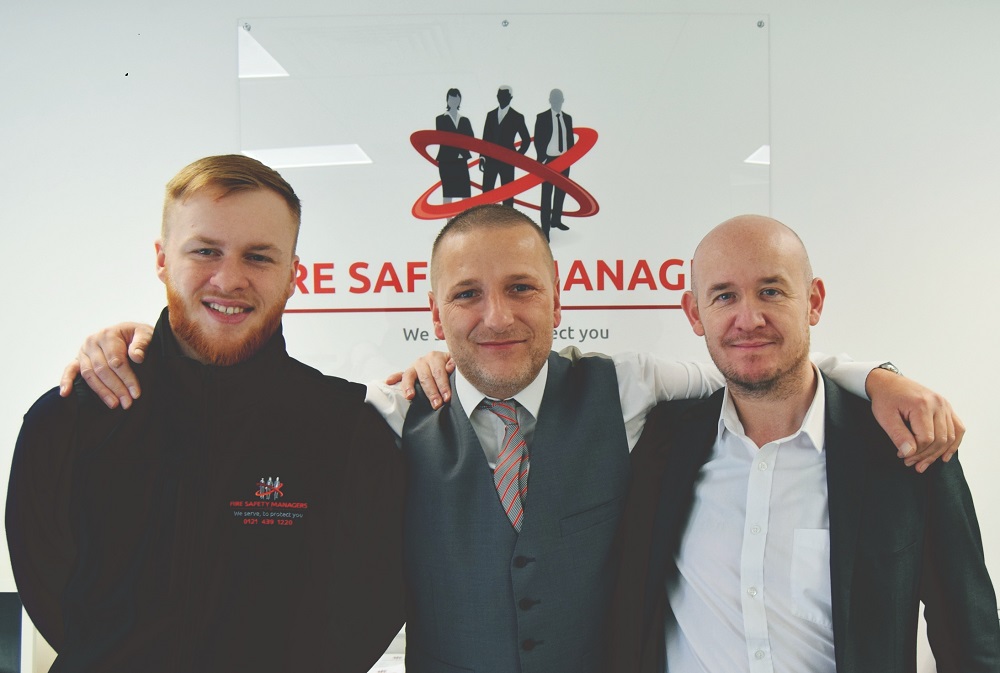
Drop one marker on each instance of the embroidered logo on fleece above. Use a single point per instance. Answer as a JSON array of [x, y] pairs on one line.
[[267, 508], [266, 490]]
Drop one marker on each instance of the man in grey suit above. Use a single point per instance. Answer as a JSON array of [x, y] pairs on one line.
[[503, 125], [769, 528], [553, 138]]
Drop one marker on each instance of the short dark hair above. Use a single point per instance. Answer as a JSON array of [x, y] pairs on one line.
[[487, 216]]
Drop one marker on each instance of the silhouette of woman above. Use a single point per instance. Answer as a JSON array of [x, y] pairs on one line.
[[453, 166]]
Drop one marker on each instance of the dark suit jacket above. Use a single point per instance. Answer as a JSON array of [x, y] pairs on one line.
[[503, 133], [896, 538], [543, 133]]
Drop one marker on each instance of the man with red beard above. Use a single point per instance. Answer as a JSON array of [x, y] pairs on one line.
[[143, 541]]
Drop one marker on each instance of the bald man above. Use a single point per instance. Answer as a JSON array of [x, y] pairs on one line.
[[769, 528]]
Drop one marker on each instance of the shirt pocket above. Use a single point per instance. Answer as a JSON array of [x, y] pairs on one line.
[[811, 591]]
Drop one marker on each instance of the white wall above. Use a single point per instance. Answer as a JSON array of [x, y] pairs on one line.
[[884, 157]]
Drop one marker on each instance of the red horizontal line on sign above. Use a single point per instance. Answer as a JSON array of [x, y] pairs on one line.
[[411, 309]]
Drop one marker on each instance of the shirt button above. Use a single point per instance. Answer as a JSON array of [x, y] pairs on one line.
[[526, 603], [759, 654], [761, 466], [755, 529], [530, 644], [751, 592]]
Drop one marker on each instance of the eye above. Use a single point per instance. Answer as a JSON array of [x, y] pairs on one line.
[[263, 259], [771, 292], [724, 296], [465, 294], [521, 287], [204, 252]]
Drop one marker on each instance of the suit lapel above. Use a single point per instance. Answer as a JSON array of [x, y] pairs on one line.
[[688, 446], [846, 475]]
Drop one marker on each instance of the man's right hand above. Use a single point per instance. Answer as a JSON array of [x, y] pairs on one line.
[[103, 363]]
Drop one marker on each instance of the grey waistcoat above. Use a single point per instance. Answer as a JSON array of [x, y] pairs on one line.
[[484, 598]]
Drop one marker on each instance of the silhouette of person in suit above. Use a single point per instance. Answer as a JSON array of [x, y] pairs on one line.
[[453, 162], [503, 125], [553, 137]]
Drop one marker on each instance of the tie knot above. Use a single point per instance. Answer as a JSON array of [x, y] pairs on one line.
[[504, 409]]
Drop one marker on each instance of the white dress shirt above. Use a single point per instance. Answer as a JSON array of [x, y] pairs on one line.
[[753, 589]]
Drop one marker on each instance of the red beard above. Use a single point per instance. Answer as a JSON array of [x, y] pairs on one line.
[[216, 352]]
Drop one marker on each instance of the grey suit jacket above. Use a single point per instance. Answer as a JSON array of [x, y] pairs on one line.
[[897, 538]]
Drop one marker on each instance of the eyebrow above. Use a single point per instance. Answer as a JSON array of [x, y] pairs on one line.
[[718, 287], [514, 278], [770, 280], [259, 247]]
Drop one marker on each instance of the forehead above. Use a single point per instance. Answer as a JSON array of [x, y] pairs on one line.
[[252, 217], [487, 253], [743, 259]]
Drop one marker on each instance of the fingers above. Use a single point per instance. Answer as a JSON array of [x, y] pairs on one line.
[[920, 422], [408, 381], [393, 379], [939, 433], [69, 375], [104, 362], [89, 372], [429, 371], [442, 377], [959, 428], [432, 371], [140, 341], [934, 427]]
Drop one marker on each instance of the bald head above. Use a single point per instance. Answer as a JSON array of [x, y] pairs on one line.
[[747, 237]]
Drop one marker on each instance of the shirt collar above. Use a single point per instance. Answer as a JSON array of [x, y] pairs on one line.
[[813, 427], [530, 398]]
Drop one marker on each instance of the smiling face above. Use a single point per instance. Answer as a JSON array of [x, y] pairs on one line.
[[495, 301], [754, 300], [229, 266]]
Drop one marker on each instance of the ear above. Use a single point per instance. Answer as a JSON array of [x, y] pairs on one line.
[[817, 295], [295, 273], [435, 316], [556, 305], [690, 306], [161, 261]]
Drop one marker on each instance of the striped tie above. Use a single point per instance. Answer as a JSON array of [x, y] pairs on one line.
[[510, 476]]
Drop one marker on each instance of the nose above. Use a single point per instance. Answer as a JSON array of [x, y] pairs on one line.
[[497, 314], [230, 276], [749, 316]]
